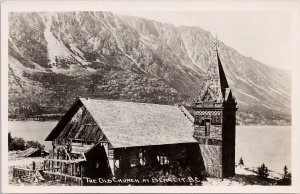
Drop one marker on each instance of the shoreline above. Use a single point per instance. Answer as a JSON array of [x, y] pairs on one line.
[[244, 175]]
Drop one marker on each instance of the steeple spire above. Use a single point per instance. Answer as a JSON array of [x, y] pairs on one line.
[[216, 43], [215, 83]]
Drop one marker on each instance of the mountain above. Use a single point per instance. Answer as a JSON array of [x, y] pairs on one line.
[[56, 56]]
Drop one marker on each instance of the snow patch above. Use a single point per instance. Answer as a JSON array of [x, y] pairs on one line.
[[279, 92], [76, 50], [253, 97], [220, 182], [267, 106], [241, 170], [55, 47]]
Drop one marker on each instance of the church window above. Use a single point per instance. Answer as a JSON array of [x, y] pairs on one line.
[[117, 163], [198, 119], [207, 127], [163, 160], [207, 99], [216, 120], [134, 158], [142, 157]]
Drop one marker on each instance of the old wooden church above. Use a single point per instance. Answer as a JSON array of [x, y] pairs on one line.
[[106, 138]]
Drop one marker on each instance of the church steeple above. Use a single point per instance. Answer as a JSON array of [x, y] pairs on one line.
[[214, 120], [215, 87]]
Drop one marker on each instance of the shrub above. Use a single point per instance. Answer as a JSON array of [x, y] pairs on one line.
[[18, 143], [9, 141], [33, 144], [263, 172]]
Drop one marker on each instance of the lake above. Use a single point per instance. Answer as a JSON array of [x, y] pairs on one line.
[[256, 144]]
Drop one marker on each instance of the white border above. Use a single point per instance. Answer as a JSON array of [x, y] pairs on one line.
[[292, 6]]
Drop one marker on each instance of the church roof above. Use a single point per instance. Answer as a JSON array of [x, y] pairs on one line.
[[215, 81], [127, 124]]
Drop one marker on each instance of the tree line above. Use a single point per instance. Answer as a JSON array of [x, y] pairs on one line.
[[263, 173], [18, 143]]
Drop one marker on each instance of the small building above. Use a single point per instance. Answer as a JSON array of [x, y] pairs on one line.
[[107, 138]]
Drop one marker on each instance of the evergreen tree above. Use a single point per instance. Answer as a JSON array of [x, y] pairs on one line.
[[241, 162], [263, 172], [285, 172], [286, 178]]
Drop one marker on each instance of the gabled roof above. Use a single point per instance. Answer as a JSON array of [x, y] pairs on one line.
[[127, 124]]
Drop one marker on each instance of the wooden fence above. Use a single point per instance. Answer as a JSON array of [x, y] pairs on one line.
[[18, 172], [27, 175], [64, 178]]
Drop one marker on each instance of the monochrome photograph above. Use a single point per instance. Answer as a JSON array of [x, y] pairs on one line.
[[147, 97]]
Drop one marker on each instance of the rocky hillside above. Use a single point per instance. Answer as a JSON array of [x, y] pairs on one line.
[[55, 57]]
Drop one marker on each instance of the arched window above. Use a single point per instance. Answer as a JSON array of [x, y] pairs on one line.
[[207, 98], [142, 158]]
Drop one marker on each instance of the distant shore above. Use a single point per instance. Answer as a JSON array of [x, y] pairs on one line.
[[56, 120]]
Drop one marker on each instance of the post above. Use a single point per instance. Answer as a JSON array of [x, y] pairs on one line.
[[57, 156], [81, 176], [71, 169], [61, 167], [33, 165], [74, 169], [53, 147]]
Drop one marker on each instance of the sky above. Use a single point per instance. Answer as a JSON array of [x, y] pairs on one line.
[[263, 35]]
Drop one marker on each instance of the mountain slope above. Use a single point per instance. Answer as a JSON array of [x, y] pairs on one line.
[[59, 56]]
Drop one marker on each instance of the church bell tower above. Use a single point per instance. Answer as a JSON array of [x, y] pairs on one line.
[[215, 120]]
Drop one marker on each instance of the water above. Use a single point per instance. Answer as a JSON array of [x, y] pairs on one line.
[[32, 130], [256, 144], [264, 144]]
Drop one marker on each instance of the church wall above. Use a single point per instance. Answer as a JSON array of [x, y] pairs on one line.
[[216, 131], [212, 156], [229, 143], [215, 120], [210, 143], [217, 146], [161, 160], [81, 134]]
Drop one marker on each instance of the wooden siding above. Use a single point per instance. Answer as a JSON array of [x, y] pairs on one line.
[[212, 156], [82, 126], [178, 160]]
